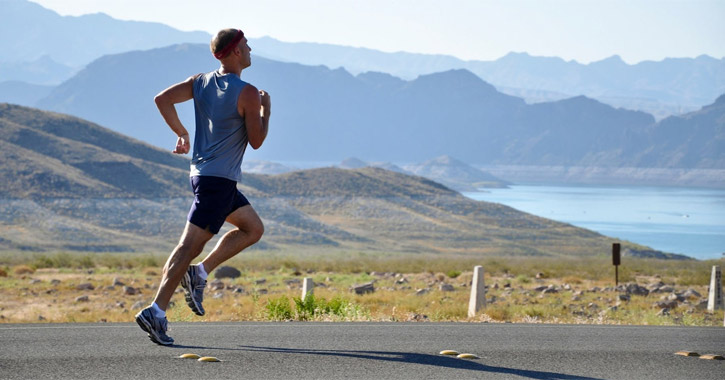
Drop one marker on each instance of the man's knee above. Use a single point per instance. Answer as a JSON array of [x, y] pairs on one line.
[[256, 231]]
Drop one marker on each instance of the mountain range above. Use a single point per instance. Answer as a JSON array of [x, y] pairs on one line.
[[670, 86], [326, 115], [74, 185], [39, 46]]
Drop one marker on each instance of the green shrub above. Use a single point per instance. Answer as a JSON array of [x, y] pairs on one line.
[[278, 309], [453, 273]]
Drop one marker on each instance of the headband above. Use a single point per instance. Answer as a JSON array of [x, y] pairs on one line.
[[230, 46]]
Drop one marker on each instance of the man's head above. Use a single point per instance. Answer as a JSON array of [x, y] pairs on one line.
[[231, 43]]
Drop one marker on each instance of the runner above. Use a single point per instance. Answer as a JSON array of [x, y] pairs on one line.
[[230, 114]]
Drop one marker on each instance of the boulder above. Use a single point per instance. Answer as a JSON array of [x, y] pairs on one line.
[[227, 272], [82, 299], [364, 288], [665, 304], [637, 290], [446, 287], [624, 297], [85, 286]]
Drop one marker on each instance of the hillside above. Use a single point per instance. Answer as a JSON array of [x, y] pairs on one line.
[[74, 185]]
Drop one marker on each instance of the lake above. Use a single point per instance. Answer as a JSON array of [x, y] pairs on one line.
[[677, 220]]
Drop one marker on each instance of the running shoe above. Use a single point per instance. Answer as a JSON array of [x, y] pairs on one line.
[[194, 286], [155, 327]]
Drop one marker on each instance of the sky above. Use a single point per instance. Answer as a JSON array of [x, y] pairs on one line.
[[581, 30]]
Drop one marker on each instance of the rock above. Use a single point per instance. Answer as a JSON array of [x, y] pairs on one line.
[[227, 272], [421, 292], [138, 305], [328, 279], [575, 298], [540, 275], [260, 281], [567, 287], [401, 280], [702, 305], [110, 287], [624, 297], [550, 289], [239, 290], [120, 304], [675, 297], [413, 317], [664, 289], [217, 285], [364, 288], [446, 287], [637, 290], [691, 294], [40, 318], [54, 281], [291, 281], [507, 285], [35, 281], [613, 308], [261, 291], [82, 299], [666, 304], [495, 285], [218, 295], [130, 291], [118, 282], [595, 289], [85, 286], [540, 288], [663, 312], [592, 305]]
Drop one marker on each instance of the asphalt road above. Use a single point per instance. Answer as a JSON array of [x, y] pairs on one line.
[[360, 351]]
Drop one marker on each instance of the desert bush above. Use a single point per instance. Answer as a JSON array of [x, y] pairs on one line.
[[3, 272], [453, 273], [23, 269]]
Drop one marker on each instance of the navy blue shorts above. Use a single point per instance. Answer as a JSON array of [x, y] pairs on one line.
[[214, 199]]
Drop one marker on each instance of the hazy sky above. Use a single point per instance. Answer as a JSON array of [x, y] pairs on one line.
[[584, 30]]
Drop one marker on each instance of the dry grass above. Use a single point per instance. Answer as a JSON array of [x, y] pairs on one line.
[[35, 297]]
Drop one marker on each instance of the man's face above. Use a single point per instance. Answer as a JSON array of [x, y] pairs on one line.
[[245, 52]]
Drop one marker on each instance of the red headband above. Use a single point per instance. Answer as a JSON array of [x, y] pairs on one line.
[[227, 49]]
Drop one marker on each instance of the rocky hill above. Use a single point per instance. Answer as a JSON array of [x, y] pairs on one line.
[[73, 185]]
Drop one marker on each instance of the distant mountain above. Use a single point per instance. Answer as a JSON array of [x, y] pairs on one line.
[[670, 86], [326, 115], [42, 71], [74, 185], [456, 174], [22, 93], [28, 31]]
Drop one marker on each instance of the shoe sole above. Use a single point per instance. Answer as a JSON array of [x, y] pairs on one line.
[[149, 330], [185, 281]]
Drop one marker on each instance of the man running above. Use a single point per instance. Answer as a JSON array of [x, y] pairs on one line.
[[229, 114]]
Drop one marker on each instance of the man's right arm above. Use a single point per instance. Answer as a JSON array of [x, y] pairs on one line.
[[165, 102]]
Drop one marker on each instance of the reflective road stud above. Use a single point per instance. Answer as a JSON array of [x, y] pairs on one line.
[[209, 359], [468, 356], [189, 356], [687, 353], [449, 352], [712, 357]]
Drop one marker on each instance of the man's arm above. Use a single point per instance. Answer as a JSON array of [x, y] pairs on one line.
[[255, 107], [165, 102]]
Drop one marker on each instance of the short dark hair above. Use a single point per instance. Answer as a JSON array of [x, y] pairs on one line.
[[222, 39]]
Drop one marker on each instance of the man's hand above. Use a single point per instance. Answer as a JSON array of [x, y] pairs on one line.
[[266, 103], [182, 144]]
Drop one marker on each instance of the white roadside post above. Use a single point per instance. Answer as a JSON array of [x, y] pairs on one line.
[[307, 287], [478, 292], [714, 298]]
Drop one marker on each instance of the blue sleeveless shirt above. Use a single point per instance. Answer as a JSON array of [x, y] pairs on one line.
[[221, 135]]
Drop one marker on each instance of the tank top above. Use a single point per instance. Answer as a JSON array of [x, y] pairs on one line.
[[221, 135]]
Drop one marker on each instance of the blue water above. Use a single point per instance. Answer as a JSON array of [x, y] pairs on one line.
[[677, 220]]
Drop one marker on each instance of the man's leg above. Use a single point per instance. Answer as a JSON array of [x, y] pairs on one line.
[[190, 246], [249, 230]]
